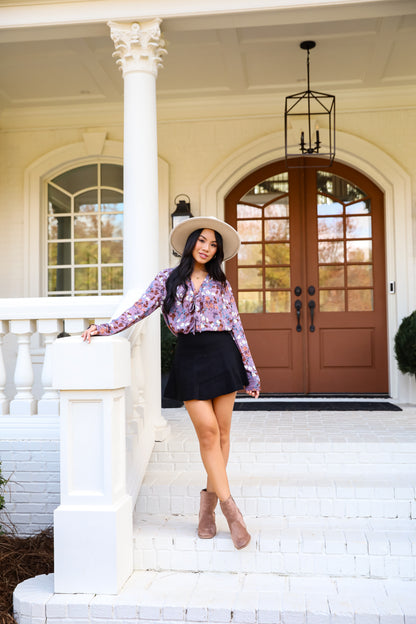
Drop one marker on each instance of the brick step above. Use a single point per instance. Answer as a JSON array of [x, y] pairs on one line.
[[278, 457], [338, 496], [295, 546], [223, 597]]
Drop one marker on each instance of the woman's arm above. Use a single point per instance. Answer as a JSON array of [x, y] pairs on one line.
[[240, 339], [148, 303]]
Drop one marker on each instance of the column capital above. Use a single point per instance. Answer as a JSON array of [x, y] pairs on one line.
[[139, 45]]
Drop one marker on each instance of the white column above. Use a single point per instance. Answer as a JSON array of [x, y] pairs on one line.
[[93, 525], [49, 402], [4, 404], [24, 402], [139, 49]]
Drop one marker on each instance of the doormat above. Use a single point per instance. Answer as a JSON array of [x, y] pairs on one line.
[[315, 406]]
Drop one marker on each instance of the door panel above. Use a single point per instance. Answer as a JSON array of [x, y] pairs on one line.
[[310, 280]]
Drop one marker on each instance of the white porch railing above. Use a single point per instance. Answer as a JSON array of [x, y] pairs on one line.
[[28, 331]]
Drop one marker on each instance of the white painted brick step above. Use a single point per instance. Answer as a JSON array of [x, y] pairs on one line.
[[339, 496], [222, 597], [301, 546]]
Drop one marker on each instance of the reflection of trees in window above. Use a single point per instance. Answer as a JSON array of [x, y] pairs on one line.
[[85, 231]]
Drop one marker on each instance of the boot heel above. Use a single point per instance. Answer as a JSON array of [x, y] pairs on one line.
[[239, 534]]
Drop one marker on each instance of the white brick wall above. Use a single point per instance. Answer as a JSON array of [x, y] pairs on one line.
[[29, 452]]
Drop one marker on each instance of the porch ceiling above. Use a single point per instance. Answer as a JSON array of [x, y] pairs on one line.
[[360, 48]]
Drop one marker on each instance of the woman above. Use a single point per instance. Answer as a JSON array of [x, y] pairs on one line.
[[212, 359]]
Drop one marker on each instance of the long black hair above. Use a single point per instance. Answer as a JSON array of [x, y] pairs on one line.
[[183, 271]]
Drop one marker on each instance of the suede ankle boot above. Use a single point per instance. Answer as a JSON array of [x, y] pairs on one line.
[[238, 529], [206, 526]]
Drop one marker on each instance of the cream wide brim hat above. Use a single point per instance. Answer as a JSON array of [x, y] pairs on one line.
[[230, 237]]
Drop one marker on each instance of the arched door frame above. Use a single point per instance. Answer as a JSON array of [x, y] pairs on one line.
[[388, 176], [53, 163]]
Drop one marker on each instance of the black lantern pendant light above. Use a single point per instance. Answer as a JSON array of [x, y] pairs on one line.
[[312, 115]]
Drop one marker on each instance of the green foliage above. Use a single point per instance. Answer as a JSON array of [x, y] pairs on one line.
[[167, 346], [405, 345]]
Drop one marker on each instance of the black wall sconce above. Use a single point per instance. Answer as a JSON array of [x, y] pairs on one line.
[[182, 213], [316, 111]]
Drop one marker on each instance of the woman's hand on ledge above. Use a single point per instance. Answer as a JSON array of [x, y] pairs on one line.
[[253, 393], [91, 331]]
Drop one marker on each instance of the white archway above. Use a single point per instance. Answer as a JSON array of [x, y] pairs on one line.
[[389, 177], [94, 148]]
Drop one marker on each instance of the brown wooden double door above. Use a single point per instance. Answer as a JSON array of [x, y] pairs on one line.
[[310, 278]]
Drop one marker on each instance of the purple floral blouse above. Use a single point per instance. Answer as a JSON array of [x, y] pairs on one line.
[[211, 308]]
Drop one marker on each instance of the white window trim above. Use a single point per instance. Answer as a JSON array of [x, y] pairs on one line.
[[35, 193]]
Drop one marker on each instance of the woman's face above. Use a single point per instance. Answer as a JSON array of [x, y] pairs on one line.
[[205, 247]]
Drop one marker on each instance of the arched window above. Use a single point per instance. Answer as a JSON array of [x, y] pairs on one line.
[[85, 231]]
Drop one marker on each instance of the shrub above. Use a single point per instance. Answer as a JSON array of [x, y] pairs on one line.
[[167, 346], [405, 345]]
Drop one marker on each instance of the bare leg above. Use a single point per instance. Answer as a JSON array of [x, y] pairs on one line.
[[223, 408], [205, 421]]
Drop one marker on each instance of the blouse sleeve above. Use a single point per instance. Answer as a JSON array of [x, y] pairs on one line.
[[241, 342], [148, 303]]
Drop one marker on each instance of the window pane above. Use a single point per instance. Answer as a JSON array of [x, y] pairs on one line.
[[359, 251], [250, 302], [360, 300], [359, 207], [78, 178], [111, 252], [330, 227], [279, 208], [86, 278], [358, 227], [360, 275], [59, 279], [331, 301], [249, 230], [86, 202], [112, 175], [59, 253], [59, 227], [86, 253], [331, 276], [264, 191], [85, 226], [250, 254], [111, 201], [112, 278], [277, 229], [278, 301], [278, 277], [327, 206], [112, 226], [244, 211], [330, 252], [277, 253], [337, 187], [250, 278], [58, 202]]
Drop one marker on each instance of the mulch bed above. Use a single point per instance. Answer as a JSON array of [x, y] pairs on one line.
[[22, 558]]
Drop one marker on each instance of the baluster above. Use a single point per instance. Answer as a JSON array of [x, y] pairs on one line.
[[4, 403], [49, 402], [24, 402], [75, 326]]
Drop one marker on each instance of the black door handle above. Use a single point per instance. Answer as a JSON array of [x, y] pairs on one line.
[[311, 306], [298, 306]]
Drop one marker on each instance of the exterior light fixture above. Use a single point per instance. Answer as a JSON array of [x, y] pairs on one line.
[[182, 213], [311, 114]]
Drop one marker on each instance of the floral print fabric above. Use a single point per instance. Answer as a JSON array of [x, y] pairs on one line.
[[211, 308]]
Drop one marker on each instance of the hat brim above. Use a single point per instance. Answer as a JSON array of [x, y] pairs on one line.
[[230, 237]]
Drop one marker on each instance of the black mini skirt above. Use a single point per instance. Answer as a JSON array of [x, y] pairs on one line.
[[206, 365]]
